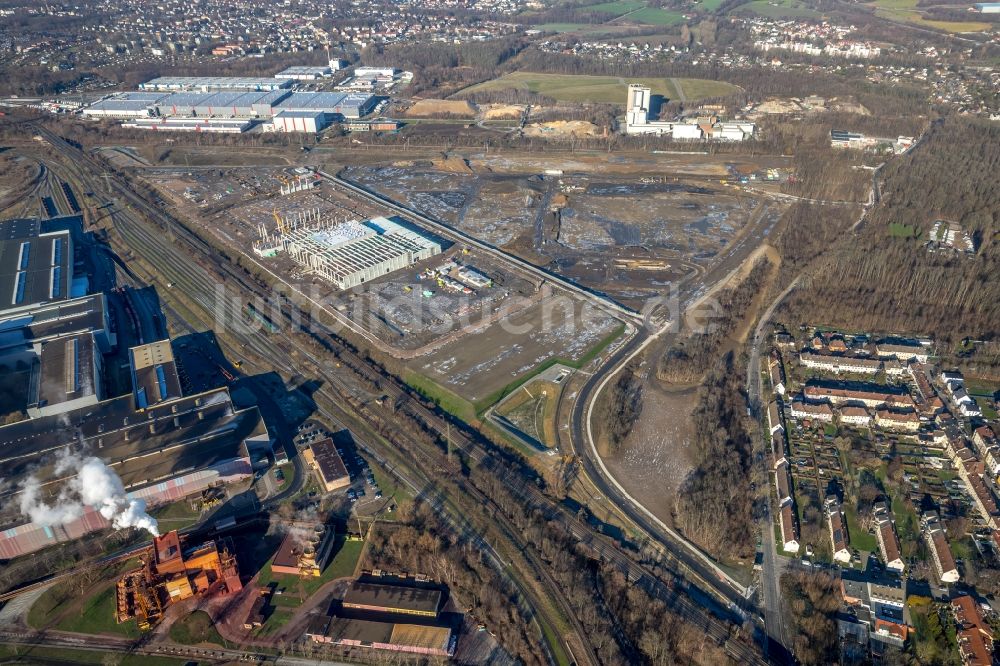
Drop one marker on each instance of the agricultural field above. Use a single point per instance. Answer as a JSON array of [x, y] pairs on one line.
[[654, 16], [616, 8], [574, 87], [599, 89], [778, 9], [907, 12]]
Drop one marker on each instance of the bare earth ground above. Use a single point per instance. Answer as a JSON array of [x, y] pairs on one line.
[[654, 460]]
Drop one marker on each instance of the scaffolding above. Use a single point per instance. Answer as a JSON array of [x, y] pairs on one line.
[[347, 253]]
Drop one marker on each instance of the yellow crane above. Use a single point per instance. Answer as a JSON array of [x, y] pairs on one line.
[[282, 227]]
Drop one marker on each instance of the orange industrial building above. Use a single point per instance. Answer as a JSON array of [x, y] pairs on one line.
[[170, 573]]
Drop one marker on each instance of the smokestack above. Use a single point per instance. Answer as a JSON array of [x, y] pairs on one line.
[[94, 485]]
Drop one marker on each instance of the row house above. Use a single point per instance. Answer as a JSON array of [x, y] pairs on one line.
[[820, 411], [902, 352], [873, 396], [937, 544], [774, 420], [971, 471], [888, 543], [777, 370], [974, 635], [838, 531], [839, 364], [888, 419], [782, 481], [858, 416], [789, 529]]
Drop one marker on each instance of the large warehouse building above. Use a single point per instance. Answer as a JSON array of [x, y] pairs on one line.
[[352, 253], [214, 83], [290, 111], [394, 617]]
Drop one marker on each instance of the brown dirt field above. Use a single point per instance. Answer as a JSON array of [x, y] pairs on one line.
[[503, 112], [562, 129], [429, 108], [654, 460], [452, 164]]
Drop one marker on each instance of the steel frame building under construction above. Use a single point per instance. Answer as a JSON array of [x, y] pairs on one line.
[[351, 253]]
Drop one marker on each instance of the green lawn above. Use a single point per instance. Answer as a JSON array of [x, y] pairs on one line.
[[906, 11], [345, 558], [859, 538], [574, 87], [195, 629], [278, 618], [615, 8], [175, 516], [897, 230], [710, 5], [445, 399], [655, 16], [778, 9], [98, 617], [568, 27]]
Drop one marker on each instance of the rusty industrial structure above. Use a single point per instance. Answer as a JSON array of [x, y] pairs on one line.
[[172, 573]]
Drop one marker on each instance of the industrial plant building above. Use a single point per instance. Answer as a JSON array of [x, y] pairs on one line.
[[171, 572], [163, 446], [639, 106], [351, 253], [210, 125], [330, 470], [304, 73], [395, 617], [304, 552], [206, 83]]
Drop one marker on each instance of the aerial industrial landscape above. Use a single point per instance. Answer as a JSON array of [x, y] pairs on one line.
[[499, 332]]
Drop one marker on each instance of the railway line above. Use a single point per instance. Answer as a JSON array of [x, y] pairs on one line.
[[198, 287]]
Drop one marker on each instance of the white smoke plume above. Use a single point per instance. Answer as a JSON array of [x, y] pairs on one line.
[[95, 485]]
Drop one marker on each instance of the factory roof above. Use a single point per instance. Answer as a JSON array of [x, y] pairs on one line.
[[35, 266], [392, 598], [214, 83], [160, 443], [66, 370], [412, 636], [79, 315], [154, 373], [304, 69], [287, 555], [328, 461], [324, 101]]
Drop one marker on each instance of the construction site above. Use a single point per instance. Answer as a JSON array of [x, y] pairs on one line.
[[172, 571], [625, 232]]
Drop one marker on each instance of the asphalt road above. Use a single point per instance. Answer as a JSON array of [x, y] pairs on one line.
[[771, 569]]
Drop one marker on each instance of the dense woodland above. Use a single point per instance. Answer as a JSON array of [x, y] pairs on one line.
[[884, 278], [715, 502], [688, 358], [813, 600], [622, 408]]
